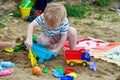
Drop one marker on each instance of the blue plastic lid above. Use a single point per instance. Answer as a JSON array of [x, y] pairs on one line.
[[67, 78]]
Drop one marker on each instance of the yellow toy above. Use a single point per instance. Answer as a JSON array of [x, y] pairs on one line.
[[32, 58], [18, 42], [73, 74], [9, 49]]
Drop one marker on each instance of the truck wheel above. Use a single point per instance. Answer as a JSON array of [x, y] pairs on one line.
[[84, 63], [71, 63]]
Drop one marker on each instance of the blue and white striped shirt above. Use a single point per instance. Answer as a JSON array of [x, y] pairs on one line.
[[62, 29]]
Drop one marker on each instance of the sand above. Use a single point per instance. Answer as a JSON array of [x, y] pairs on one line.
[[88, 27]]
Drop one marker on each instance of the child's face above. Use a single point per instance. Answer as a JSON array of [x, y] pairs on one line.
[[49, 25], [52, 25]]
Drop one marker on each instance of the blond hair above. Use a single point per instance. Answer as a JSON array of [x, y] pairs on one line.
[[55, 13]]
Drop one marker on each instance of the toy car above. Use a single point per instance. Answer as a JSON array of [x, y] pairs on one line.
[[74, 57]]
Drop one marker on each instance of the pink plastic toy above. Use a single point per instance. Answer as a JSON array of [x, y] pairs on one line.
[[6, 72]]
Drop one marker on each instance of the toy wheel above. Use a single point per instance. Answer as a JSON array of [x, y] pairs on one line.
[[84, 63], [71, 63]]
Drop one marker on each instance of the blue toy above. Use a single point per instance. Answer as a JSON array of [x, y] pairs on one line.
[[92, 66], [6, 64], [42, 53], [67, 78], [1, 69], [58, 73]]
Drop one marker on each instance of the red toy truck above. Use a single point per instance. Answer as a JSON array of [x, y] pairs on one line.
[[74, 57]]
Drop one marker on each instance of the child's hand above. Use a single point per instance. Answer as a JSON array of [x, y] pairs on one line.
[[28, 44], [12, 44], [53, 50]]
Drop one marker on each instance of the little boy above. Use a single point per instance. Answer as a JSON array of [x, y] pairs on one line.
[[55, 28]]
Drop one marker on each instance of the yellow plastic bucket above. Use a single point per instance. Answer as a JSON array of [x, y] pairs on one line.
[[25, 11]]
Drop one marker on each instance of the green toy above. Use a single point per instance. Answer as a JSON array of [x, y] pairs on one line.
[[17, 48], [59, 68], [34, 38], [45, 70], [27, 4]]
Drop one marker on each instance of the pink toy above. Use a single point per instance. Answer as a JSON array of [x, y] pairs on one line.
[[6, 72]]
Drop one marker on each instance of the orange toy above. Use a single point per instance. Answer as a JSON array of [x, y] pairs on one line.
[[36, 70]]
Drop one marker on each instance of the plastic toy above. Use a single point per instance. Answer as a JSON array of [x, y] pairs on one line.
[[6, 64], [6, 72], [58, 73], [34, 38], [92, 66], [16, 49], [1, 69], [69, 70], [45, 70], [67, 78], [36, 70], [9, 49], [32, 58], [38, 12], [59, 68], [42, 53], [74, 57], [20, 44], [18, 41], [73, 74], [27, 4]]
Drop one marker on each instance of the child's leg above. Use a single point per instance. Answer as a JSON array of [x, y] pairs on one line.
[[72, 37], [44, 40]]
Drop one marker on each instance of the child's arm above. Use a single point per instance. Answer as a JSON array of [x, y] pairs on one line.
[[60, 43], [28, 41], [38, 21], [7, 44]]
